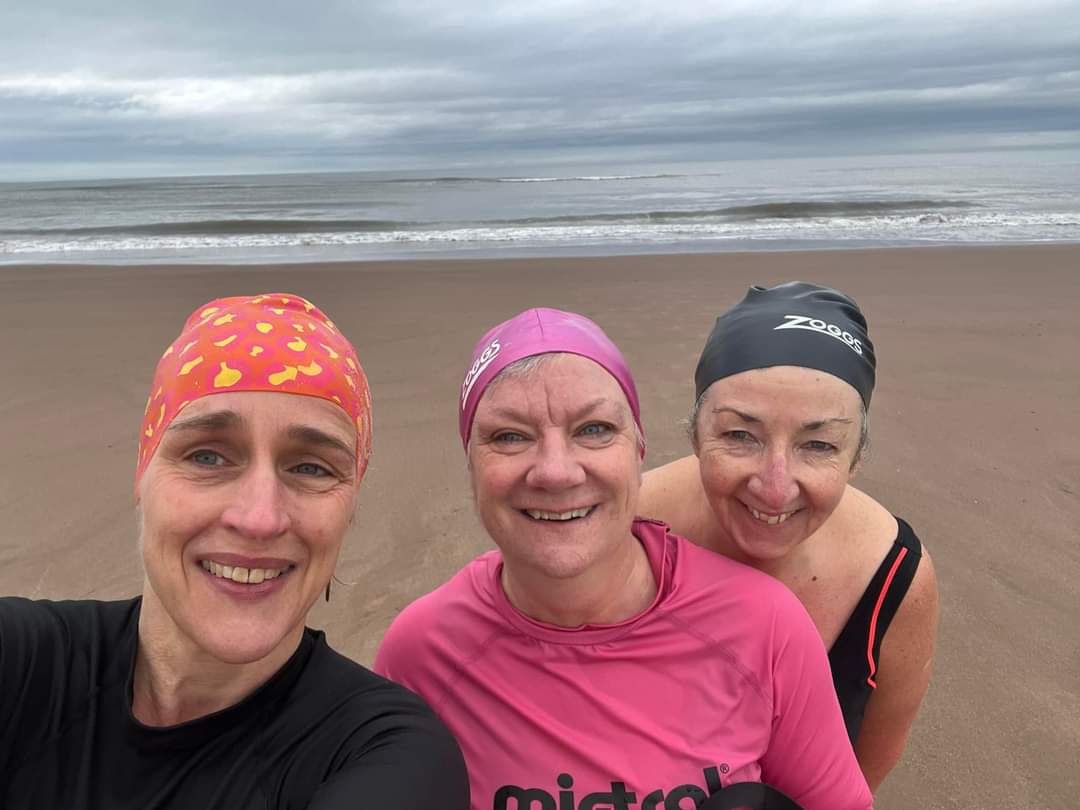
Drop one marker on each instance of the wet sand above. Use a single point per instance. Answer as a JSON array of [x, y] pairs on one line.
[[974, 442]]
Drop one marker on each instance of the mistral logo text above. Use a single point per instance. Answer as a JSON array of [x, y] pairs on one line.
[[489, 353], [513, 797], [818, 325]]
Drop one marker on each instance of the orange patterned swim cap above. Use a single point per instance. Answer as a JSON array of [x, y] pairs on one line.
[[273, 342]]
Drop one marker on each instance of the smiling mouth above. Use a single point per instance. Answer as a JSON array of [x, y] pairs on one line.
[[245, 576], [770, 519], [540, 514]]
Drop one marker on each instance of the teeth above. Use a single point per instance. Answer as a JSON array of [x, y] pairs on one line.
[[249, 576], [540, 514], [772, 520]]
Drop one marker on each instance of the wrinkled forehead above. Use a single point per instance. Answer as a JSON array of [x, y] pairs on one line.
[[568, 381], [241, 410], [784, 389]]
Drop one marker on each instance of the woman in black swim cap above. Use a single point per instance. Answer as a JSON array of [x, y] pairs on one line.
[[779, 426]]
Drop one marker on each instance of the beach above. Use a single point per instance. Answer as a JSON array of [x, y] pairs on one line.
[[972, 443]]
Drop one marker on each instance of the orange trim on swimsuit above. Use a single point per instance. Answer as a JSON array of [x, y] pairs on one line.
[[873, 618]]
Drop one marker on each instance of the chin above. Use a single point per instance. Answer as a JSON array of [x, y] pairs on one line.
[[556, 564], [239, 642]]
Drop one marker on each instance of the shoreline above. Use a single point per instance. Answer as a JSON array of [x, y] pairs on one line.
[[503, 253], [972, 427]]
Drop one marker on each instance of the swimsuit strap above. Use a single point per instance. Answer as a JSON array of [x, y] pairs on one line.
[[855, 655]]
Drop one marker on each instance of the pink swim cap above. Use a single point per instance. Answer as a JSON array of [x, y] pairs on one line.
[[541, 331]]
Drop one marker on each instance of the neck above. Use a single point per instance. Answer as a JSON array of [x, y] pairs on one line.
[[609, 592], [177, 681]]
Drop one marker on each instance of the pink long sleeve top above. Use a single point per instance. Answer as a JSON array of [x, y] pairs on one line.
[[722, 679]]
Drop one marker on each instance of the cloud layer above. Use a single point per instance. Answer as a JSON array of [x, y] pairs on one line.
[[359, 84]]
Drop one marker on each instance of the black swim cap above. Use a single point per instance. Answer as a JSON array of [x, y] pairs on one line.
[[793, 324]]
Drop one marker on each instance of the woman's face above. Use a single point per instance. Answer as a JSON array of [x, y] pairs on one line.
[[243, 510], [555, 467], [776, 447]]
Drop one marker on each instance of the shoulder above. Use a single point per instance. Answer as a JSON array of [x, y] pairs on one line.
[[703, 570], [338, 686], [710, 586], [863, 523], [27, 624], [54, 656], [364, 735], [917, 615], [451, 603], [672, 493], [441, 628]]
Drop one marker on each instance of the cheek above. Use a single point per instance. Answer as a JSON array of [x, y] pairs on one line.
[[717, 477], [828, 488], [489, 481]]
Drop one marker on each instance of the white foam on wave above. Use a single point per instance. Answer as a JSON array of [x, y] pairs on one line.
[[966, 227], [587, 177]]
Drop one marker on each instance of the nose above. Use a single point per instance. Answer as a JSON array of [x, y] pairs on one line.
[[555, 466], [773, 483], [258, 508]]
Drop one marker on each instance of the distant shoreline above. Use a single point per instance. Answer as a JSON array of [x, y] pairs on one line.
[[489, 255]]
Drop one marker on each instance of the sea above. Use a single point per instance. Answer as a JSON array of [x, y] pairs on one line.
[[1004, 197]]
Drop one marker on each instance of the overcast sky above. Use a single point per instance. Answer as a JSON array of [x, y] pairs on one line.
[[143, 87]]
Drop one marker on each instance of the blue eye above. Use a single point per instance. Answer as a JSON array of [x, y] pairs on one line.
[[820, 447], [207, 458], [595, 429], [508, 437], [311, 469]]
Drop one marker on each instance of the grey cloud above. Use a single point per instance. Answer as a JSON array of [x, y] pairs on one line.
[[347, 84]]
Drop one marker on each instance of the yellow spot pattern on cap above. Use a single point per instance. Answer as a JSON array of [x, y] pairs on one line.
[[227, 377], [283, 376], [189, 365], [244, 343]]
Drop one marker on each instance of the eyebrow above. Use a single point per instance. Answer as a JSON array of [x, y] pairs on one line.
[[577, 413], [746, 417], [230, 420], [218, 420], [820, 423], [815, 424], [310, 435]]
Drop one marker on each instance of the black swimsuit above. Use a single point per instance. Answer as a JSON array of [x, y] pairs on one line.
[[856, 652]]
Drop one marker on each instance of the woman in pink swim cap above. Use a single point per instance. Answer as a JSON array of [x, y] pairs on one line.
[[209, 691], [596, 659]]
